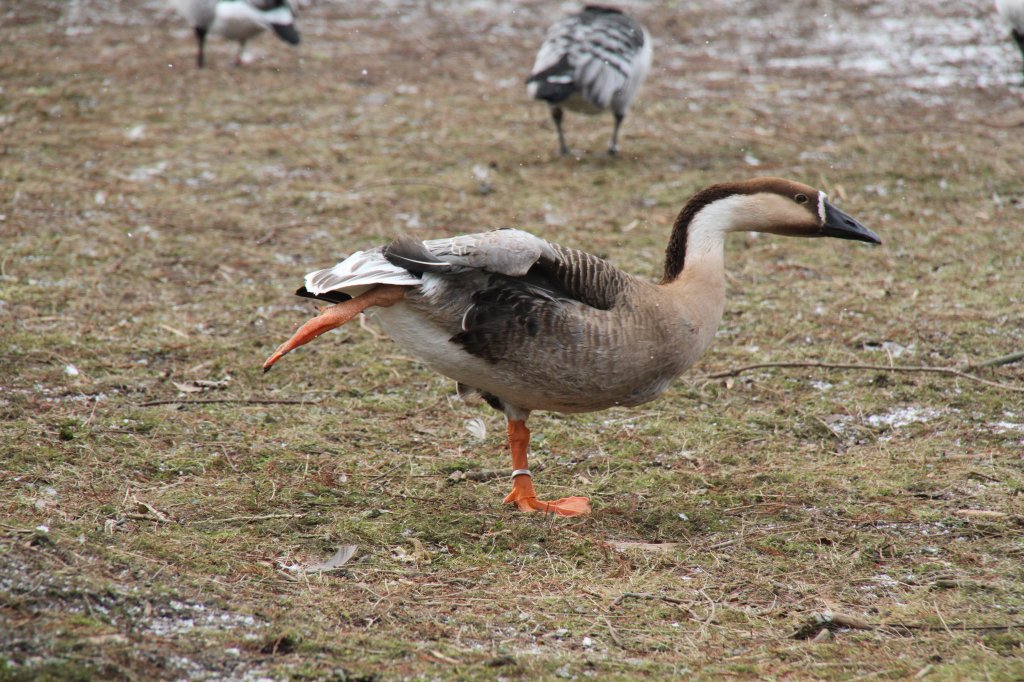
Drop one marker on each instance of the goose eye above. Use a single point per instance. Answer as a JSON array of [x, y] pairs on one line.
[[800, 198]]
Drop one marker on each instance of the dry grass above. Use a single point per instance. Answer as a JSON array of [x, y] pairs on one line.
[[155, 220]]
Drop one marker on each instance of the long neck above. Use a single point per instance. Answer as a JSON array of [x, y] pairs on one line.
[[695, 261], [700, 227]]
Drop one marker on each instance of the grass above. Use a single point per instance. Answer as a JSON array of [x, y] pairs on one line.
[[157, 218]]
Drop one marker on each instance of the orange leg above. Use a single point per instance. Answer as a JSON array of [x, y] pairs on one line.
[[523, 495], [334, 316]]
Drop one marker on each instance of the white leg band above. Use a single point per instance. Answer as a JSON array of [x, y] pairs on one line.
[[521, 472]]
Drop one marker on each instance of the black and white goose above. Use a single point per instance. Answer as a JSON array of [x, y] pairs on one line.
[[530, 325], [238, 20], [589, 62], [1012, 12]]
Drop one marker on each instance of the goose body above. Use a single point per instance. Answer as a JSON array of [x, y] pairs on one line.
[[532, 325], [618, 342], [1012, 13], [589, 62], [237, 20]]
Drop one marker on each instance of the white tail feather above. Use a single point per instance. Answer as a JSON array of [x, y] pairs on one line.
[[361, 269]]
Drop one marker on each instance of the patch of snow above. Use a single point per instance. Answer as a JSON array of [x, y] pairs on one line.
[[902, 416], [179, 618], [411, 221], [146, 173]]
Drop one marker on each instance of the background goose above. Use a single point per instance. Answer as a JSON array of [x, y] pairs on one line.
[[530, 325], [238, 20], [589, 62], [1012, 12]]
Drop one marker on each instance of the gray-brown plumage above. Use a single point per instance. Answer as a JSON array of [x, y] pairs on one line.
[[532, 325]]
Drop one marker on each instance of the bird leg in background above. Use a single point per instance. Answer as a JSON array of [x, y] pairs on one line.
[[613, 149], [334, 316], [201, 39], [556, 114], [523, 495], [241, 53], [1019, 38]]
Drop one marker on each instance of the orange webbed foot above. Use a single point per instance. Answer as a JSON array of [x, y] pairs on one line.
[[566, 506], [524, 497]]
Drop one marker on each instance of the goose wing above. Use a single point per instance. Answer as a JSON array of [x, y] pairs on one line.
[[519, 260], [508, 294], [404, 261], [485, 284]]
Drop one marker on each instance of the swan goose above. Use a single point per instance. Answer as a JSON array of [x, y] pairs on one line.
[[237, 20], [588, 62], [531, 325]]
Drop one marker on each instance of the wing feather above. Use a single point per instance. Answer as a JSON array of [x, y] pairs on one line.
[[506, 252]]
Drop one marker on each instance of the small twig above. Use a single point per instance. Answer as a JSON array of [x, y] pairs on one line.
[[1002, 123], [145, 517], [174, 330], [833, 621], [263, 517], [875, 368], [614, 634], [998, 362], [399, 183], [272, 232], [951, 627], [830, 621], [15, 529], [646, 595], [387, 473], [236, 401], [981, 514]]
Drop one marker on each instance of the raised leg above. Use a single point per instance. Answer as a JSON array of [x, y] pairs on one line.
[[523, 495], [334, 316], [201, 39], [556, 114], [613, 149]]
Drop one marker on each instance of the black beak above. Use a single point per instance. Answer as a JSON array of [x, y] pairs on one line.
[[840, 225]]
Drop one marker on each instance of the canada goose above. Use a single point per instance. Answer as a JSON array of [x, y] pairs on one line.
[[238, 20], [1012, 12], [589, 62], [530, 325]]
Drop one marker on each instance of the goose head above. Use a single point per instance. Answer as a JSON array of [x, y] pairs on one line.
[[771, 205]]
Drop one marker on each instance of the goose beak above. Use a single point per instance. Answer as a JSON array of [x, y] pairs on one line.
[[842, 226]]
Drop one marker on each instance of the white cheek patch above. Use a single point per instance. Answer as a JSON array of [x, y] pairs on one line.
[[822, 197]]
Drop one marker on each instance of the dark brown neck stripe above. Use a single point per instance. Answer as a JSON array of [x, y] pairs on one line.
[[675, 254]]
